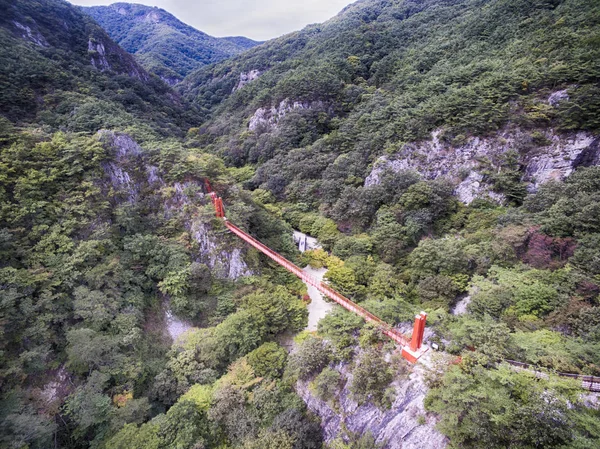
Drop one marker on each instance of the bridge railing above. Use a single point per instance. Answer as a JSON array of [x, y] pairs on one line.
[[590, 383], [321, 286]]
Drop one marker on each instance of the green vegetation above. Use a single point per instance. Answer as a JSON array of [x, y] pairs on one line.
[[104, 225], [370, 377], [501, 408], [164, 45], [99, 233], [50, 77], [384, 74]]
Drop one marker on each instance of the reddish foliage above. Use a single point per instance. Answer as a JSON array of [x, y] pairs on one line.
[[588, 290], [562, 319], [544, 251]]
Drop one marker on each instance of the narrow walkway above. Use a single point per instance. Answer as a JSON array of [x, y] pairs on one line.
[[318, 307], [590, 383], [412, 348], [321, 286]]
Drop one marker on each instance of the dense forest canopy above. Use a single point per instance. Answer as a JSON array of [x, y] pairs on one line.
[[106, 232], [383, 74], [163, 44]]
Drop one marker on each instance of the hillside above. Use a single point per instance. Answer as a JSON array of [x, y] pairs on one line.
[[60, 69], [107, 242], [444, 154], [163, 44], [386, 73]]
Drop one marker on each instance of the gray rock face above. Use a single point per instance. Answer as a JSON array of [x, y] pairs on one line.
[[246, 78], [129, 173], [558, 160], [224, 261], [558, 96], [31, 35], [125, 149], [98, 55], [266, 119], [53, 393], [396, 428], [473, 187], [555, 158]]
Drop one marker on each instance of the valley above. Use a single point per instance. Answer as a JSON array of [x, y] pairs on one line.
[[404, 156]]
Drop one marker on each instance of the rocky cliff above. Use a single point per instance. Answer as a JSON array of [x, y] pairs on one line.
[[405, 425], [74, 33], [163, 44], [132, 178], [544, 155]]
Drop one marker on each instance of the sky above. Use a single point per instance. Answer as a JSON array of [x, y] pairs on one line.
[[257, 19]]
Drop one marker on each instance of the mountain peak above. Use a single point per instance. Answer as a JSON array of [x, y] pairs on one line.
[[163, 44]]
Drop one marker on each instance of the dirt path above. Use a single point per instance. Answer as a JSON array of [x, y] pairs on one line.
[[318, 307]]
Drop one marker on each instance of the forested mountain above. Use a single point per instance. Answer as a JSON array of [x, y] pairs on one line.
[[163, 44], [446, 154], [385, 73], [105, 235], [60, 69], [447, 151]]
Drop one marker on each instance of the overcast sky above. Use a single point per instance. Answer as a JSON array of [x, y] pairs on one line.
[[256, 19]]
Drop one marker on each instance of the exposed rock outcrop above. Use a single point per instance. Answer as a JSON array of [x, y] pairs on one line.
[[98, 55], [266, 119], [246, 78], [545, 156], [561, 157], [51, 396], [558, 96], [31, 35], [108, 56], [130, 174], [406, 425]]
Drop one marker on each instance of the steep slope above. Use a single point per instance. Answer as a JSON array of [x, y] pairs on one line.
[[105, 233], [163, 44], [443, 152], [383, 74], [105, 236], [61, 69]]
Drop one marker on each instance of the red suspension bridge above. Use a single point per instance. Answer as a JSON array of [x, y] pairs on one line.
[[412, 348]]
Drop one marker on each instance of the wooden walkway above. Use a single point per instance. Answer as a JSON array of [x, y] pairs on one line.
[[590, 383]]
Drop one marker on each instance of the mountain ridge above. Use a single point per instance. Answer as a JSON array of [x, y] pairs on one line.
[[382, 75], [445, 154], [164, 44], [62, 69]]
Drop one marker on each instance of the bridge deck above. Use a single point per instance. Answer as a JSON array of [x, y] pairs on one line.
[[321, 286]]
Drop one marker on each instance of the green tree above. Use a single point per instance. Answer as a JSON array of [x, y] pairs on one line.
[[326, 384], [311, 356], [344, 280], [371, 377], [268, 360], [502, 408], [133, 437]]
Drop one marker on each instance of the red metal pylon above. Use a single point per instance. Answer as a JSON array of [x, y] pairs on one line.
[[412, 349]]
